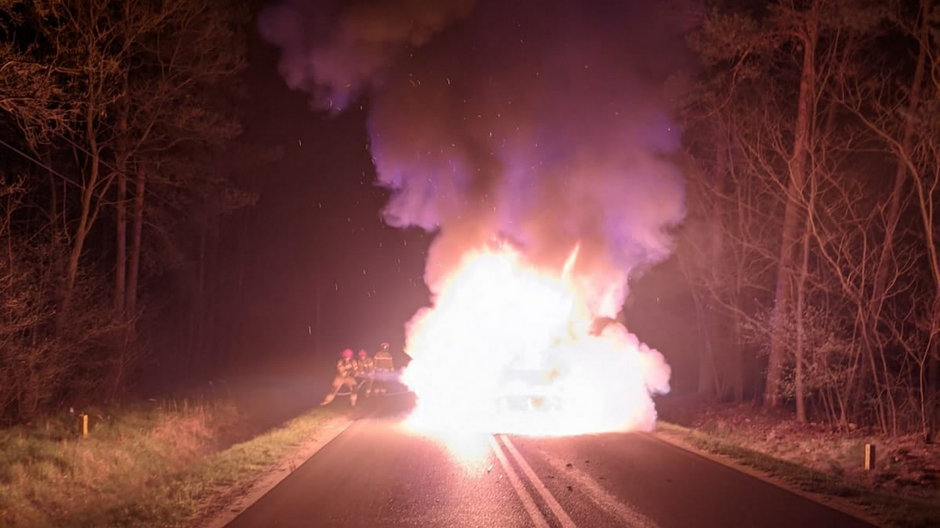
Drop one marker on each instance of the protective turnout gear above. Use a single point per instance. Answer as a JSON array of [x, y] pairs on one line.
[[384, 366], [345, 376], [365, 370], [346, 368], [364, 364], [383, 359]]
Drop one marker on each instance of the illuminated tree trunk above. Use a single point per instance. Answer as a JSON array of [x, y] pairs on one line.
[[926, 185], [800, 341], [707, 372], [87, 214], [738, 368], [797, 169]]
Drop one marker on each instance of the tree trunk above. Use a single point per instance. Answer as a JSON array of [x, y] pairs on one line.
[[738, 368], [137, 229], [927, 200], [797, 166], [798, 312], [120, 243], [707, 373], [197, 318], [932, 397], [53, 213], [120, 208], [86, 215], [892, 216]]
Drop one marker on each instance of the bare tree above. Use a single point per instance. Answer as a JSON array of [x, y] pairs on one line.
[[777, 79], [33, 87], [106, 97], [905, 123], [139, 75]]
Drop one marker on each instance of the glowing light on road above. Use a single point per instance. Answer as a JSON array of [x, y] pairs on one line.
[[510, 348]]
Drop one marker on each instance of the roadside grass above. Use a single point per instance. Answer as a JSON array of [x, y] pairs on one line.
[[147, 465], [892, 509]]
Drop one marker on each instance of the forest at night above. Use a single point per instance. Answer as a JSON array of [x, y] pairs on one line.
[[742, 195]]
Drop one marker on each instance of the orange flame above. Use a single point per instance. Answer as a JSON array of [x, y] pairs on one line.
[[509, 348]]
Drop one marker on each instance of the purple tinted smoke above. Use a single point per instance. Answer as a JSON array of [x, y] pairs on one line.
[[540, 122]]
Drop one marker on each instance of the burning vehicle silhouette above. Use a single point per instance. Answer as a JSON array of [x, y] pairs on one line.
[[530, 386]]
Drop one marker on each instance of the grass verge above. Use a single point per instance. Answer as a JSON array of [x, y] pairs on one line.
[[151, 465], [892, 508]]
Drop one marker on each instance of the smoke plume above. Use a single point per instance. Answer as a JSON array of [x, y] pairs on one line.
[[542, 123]]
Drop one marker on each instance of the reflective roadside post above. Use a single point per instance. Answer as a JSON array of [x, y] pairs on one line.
[[869, 457]]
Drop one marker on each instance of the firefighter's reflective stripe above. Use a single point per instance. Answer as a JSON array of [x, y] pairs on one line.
[[383, 361]]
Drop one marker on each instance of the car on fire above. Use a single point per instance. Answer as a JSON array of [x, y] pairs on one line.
[[529, 388]]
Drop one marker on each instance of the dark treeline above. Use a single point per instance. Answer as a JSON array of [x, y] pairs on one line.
[[811, 247], [114, 117]]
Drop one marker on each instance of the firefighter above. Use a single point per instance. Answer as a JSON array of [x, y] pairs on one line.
[[345, 376], [366, 370], [383, 368]]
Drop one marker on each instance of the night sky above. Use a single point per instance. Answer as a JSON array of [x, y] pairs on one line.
[[315, 236]]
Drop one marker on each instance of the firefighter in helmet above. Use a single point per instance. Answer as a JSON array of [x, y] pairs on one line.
[[366, 370], [383, 368], [345, 376]]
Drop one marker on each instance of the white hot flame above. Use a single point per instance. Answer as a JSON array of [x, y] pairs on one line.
[[509, 348]]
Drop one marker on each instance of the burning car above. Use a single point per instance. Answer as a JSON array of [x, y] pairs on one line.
[[530, 390]]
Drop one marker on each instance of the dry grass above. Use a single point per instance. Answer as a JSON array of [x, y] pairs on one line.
[[904, 464], [153, 465], [902, 489]]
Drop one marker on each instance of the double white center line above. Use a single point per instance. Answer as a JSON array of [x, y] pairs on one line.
[[527, 501]]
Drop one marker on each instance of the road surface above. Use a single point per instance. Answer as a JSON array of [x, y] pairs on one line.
[[380, 473]]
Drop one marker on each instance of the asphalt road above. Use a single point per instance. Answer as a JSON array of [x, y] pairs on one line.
[[380, 473]]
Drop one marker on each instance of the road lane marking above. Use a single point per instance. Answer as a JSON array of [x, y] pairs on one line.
[[527, 501], [546, 495], [598, 494]]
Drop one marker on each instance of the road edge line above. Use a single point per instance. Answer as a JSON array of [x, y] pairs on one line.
[[280, 471], [835, 503], [557, 509], [527, 501]]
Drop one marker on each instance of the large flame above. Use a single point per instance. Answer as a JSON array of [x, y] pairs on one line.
[[510, 348]]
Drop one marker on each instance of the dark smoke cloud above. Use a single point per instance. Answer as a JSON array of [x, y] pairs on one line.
[[539, 122]]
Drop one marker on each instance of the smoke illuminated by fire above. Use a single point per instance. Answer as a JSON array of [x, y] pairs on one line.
[[510, 348], [544, 125]]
